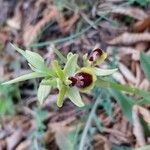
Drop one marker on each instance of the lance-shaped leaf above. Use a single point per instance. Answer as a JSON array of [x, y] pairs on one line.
[[71, 65], [35, 60], [74, 95], [125, 88], [125, 103], [60, 55], [145, 64], [43, 91], [31, 75], [103, 72]]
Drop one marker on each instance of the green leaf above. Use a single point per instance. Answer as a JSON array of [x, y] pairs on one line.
[[104, 72], [35, 60], [43, 92], [62, 92], [59, 54], [50, 82], [147, 147], [71, 65], [58, 69], [35, 55], [63, 139], [145, 64], [140, 2], [23, 53], [124, 102], [74, 95], [126, 88], [31, 75]]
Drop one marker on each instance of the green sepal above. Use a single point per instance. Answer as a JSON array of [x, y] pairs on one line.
[[71, 65], [62, 91], [58, 70], [43, 91], [103, 72], [74, 95]]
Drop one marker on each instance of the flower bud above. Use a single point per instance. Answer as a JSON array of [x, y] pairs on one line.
[[97, 56], [84, 79]]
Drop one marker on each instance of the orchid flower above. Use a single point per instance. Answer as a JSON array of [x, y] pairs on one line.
[[70, 79]]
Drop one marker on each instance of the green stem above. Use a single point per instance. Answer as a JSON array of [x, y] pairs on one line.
[[71, 37], [88, 123]]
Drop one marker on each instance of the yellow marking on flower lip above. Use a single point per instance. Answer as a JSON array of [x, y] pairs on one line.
[[97, 56], [87, 70]]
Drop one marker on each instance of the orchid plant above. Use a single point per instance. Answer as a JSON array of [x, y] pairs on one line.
[[71, 79]]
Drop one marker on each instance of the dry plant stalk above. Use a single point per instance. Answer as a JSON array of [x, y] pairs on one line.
[[133, 12], [31, 31], [140, 26], [138, 129], [130, 38]]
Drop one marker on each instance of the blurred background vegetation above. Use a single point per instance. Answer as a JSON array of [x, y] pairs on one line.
[[111, 120]]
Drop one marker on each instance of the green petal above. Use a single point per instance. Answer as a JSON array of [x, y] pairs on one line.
[[24, 77], [71, 65], [74, 95], [103, 72], [58, 69], [43, 92], [62, 92]]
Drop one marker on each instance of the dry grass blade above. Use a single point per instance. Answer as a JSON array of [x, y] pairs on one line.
[[130, 38], [14, 139], [25, 145], [31, 31], [101, 143], [119, 77], [133, 12], [141, 25], [66, 25], [127, 73], [138, 129], [3, 37], [16, 21]]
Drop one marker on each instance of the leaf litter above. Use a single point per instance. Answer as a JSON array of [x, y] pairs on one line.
[[117, 34]]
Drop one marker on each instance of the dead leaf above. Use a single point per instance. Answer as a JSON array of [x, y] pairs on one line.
[[140, 26], [25, 145], [3, 38], [130, 38], [138, 129], [127, 73], [133, 12], [16, 21], [66, 25], [14, 139], [31, 31], [100, 143]]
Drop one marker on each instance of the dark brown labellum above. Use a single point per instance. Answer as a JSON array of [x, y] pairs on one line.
[[73, 80], [95, 53], [81, 80]]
